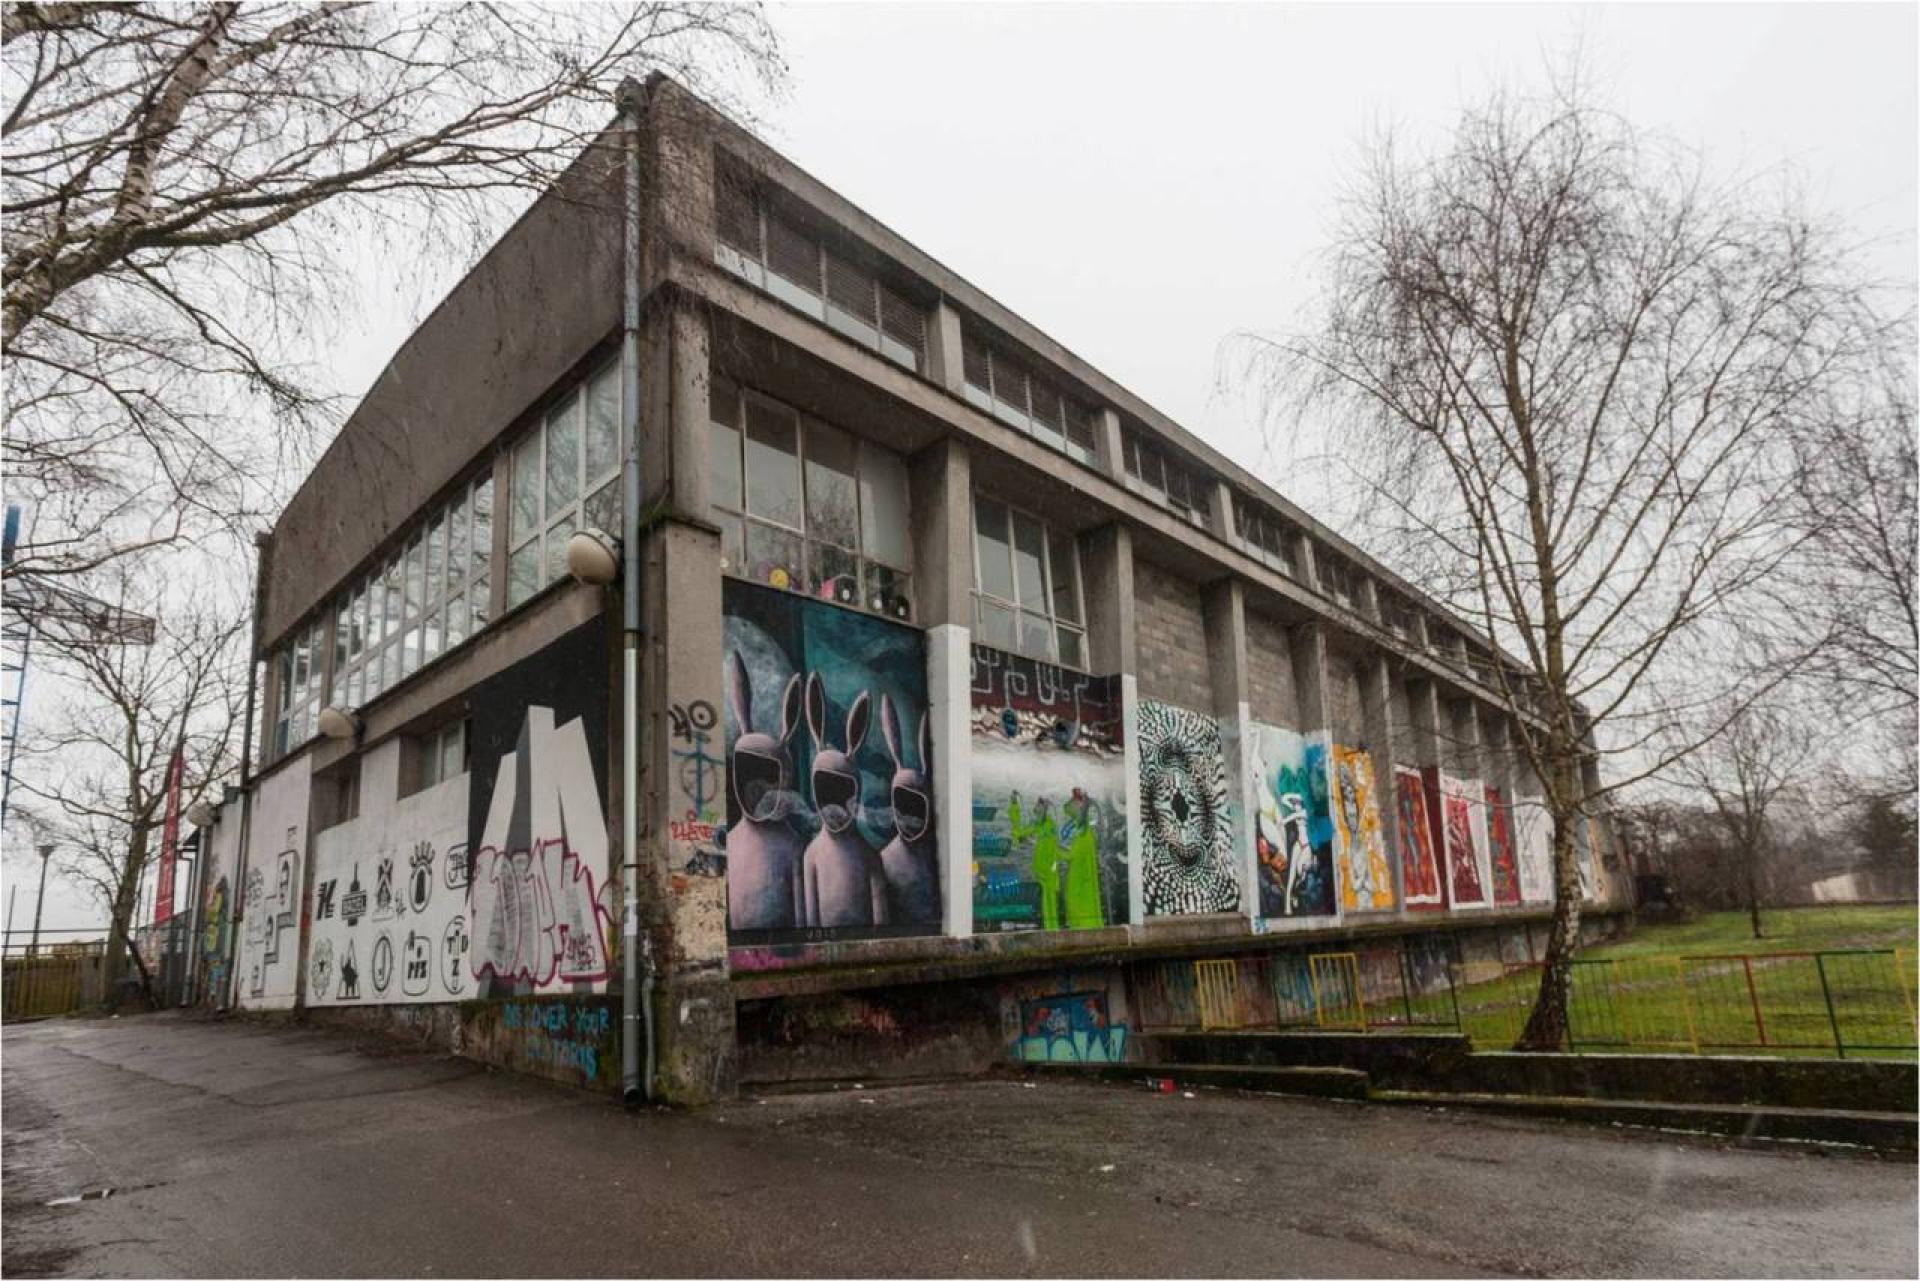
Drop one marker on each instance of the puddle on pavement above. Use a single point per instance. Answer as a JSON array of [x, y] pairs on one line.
[[96, 1194]]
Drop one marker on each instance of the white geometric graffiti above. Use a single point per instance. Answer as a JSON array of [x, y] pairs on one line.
[[537, 914]]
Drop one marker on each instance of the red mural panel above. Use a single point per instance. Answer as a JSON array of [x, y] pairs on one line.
[[1506, 866], [1414, 836]]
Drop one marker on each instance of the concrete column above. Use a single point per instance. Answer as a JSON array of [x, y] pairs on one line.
[[683, 889], [1107, 454], [941, 496], [675, 397], [1305, 556], [1224, 612], [1106, 562], [1220, 510], [946, 356]]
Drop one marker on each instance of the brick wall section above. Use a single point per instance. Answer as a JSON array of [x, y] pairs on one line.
[[1170, 639], [1270, 673], [1457, 754], [1404, 751], [1346, 715]]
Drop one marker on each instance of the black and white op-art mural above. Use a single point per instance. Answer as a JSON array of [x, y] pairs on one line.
[[1187, 859]]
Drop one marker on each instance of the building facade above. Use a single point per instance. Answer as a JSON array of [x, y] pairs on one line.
[[969, 683]]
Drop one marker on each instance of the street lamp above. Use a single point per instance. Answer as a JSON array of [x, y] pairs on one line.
[[46, 852]]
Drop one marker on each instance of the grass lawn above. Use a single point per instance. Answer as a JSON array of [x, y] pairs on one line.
[[1686, 987]]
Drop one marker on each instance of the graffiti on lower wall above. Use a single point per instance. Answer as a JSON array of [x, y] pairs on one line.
[[215, 934], [1366, 878], [1500, 851], [830, 833], [1186, 842], [559, 1038], [539, 899], [269, 973], [1049, 796], [1073, 1027], [1419, 863], [1293, 822], [1457, 804]]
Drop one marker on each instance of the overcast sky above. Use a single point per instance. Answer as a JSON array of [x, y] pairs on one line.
[[1143, 181]]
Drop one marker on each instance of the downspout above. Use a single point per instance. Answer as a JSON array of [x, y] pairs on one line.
[[262, 545], [636, 1002]]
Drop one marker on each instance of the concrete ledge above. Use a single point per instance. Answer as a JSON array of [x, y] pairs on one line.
[[1328, 1083], [1889, 1132]]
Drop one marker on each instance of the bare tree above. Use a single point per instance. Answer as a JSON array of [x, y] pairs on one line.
[[1568, 365], [1743, 771], [182, 182], [94, 777]]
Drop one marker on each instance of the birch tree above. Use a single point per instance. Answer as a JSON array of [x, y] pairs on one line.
[[1569, 366]]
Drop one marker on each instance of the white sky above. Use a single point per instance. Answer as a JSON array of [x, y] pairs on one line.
[[1142, 181]]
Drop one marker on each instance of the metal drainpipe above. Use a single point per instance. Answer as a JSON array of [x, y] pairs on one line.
[[262, 545], [636, 1004]]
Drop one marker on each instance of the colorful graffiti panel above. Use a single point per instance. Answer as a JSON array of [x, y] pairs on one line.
[[1419, 863], [1500, 851], [1366, 878], [1049, 796], [1187, 859], [269, 972], [1293, 822], [1072, 1027], [1460, 834], [539, 897], [830, 804]]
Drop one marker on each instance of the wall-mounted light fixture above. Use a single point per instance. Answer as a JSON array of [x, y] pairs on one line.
[[200, 814], [339, 722], [593, 556]]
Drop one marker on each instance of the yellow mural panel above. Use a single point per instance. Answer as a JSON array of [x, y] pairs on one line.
[[1366, 878]]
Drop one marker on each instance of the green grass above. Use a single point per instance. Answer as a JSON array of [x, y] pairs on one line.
[[1793, 929], [1675, 987]]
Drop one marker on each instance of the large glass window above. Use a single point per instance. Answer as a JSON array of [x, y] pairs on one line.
[[1006, 388], [1154, 470], [1264, 535], [423, 600], [566, 477], [774, 252], [805, 506], [300, 672], [1026, 586]]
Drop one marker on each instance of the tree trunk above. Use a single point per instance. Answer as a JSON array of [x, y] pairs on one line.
[[1546, 1029], [1753, 884], [120, 928]]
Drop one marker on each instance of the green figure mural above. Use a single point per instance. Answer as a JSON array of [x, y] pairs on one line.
[[1077, 864]]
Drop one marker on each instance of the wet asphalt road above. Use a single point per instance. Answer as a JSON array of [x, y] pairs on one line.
[[239, 1149]]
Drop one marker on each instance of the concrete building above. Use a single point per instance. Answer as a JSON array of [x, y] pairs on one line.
[[977, 697]]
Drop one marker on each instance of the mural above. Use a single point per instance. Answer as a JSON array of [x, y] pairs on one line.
[[1419, 864], [539, 898], [1073, 1027], [276, 860], [1460, 824], [1533, 839], [215, 933], [1500, 851], [852, 853], [1187, 860], [1366, 878], [1293, 824], [1049, 796], [390, 907]]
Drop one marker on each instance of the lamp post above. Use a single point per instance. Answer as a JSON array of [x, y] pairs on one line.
[[46, 852]]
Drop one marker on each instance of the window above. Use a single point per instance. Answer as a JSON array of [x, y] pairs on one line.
[[438, 756], [566, 477], [1163, 476], [805, 506], [300, 666], [427, 597], [1340, 578], [1263, 535], [1397, 614], [1026, 586], [1005, 387], [772, 252]]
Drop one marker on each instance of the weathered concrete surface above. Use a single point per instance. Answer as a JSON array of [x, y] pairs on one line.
[[248, 1149]]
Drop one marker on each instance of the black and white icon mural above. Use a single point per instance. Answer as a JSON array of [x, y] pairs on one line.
[[382, 962]]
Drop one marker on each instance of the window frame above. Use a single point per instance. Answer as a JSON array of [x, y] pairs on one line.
[[543, 539], [1050, 537], [873, 596]]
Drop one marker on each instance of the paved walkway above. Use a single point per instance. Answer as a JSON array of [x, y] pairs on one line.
[[241, 1149]]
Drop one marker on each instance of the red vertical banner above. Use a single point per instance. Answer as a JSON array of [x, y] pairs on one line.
[[169, 840]]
